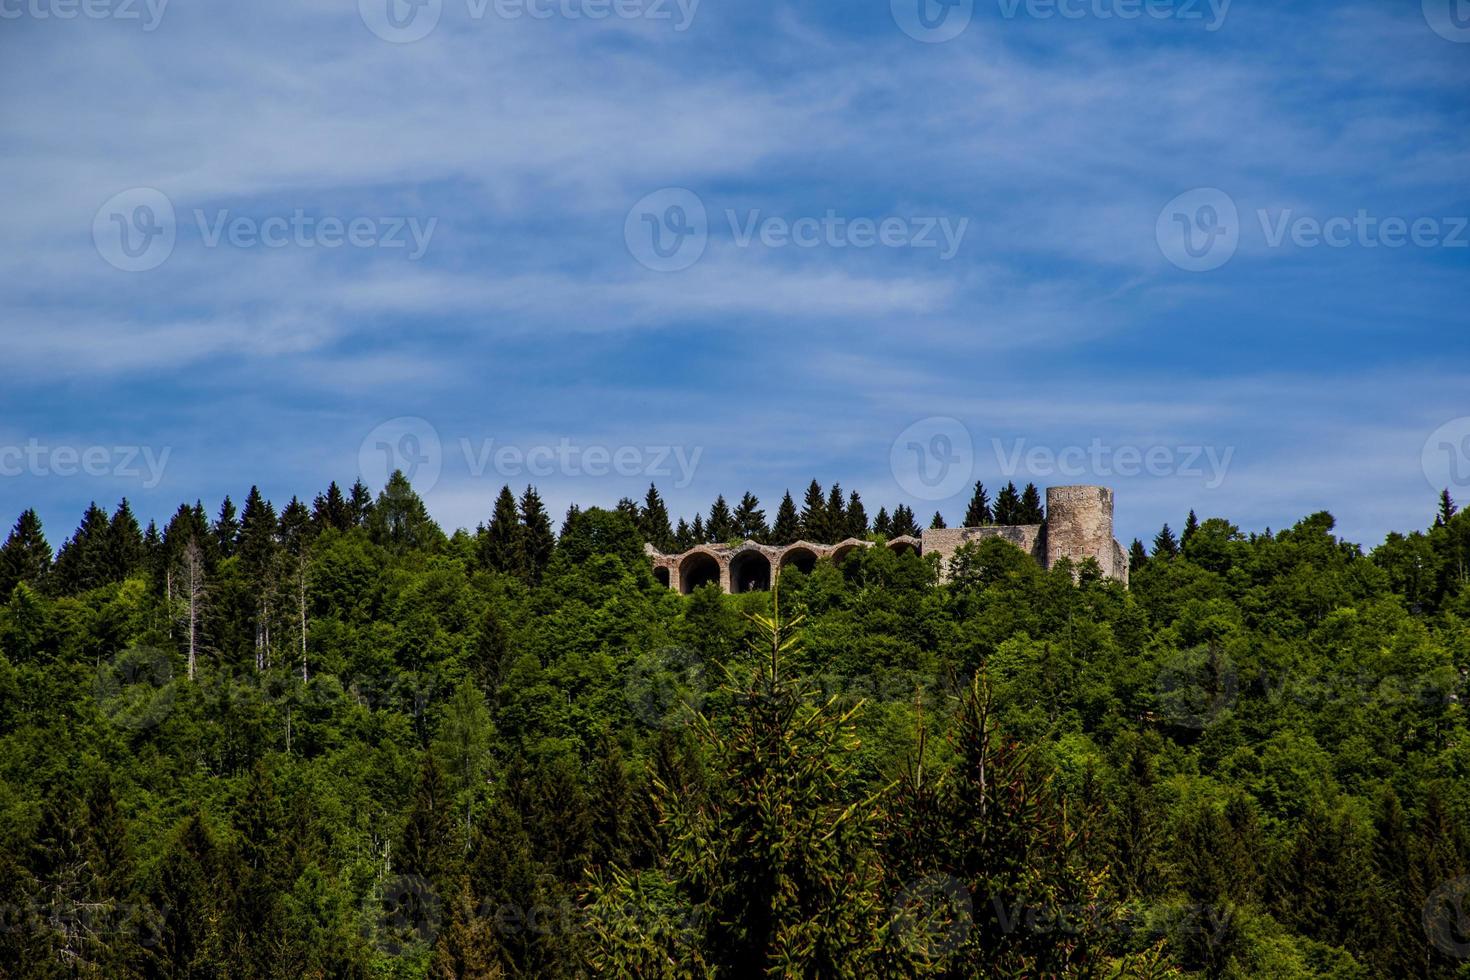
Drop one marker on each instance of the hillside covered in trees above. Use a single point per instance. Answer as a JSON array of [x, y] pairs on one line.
[[335, 741]]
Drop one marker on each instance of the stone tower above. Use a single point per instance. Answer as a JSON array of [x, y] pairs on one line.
[[1079, 525]]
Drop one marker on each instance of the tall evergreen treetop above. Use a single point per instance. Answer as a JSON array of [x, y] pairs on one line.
[[750, 519], [536, 540], [721, 525], [814, 523], [857, 516], [653, 521], [1008, 506], [25, 556], [788, 524], [500, 542], [226, 528], [978, 514]]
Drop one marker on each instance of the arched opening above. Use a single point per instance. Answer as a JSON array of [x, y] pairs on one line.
[[802, 558], [662, 574], [750, 571], [698, 569], [901, 545], [840, 553]]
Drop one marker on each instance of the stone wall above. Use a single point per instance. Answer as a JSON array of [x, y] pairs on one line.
[[944, 542]]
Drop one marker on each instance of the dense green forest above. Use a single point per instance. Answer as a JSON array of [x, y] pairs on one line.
[[334, 741]]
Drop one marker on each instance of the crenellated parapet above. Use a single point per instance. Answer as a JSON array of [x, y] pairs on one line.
[[1078, 526]]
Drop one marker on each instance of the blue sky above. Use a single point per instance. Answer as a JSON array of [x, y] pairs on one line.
[[1293, 377]]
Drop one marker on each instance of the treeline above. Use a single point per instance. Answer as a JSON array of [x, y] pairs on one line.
[[332, 740]]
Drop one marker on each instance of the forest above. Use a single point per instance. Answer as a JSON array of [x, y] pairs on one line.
[[333, 740]]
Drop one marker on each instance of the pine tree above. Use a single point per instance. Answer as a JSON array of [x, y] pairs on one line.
[[1447, 508], [937, 522], [721, 525], [499, 544], [683, 536], [904, 522], [296, 529], [226, 528], [535, 539], [1030, 511], [25, 556], [882, 524], [359, 504], [857, 516], [629, 509], [1008, 506], [1137, 556], [467, 949], [1165, 546], [124, 543], [399, 519], [1191, 524], [611, 806], [787, 528], [750, 519], [697, 533], [653, 521], [185, 894], [427, 836], [81, 564], [978, 514], [331, 509], [258, 528], [814, 523]]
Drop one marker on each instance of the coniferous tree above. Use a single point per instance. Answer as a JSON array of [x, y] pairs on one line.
[[653, 521], [124, 543], [466, 949], [331, 509], [629, 509], [883, 524], [534, 537], [937, 522], [1030, 511], [359, 503], [1447, 508], [611, 806], [721, 525], [978, 514], [81, 564], [399, 519], [857, 516], [184, 894], [258, 528], [25, 556], [499, 545], [787, 528], [1191, 524], [904, 522], [573, 512], [1137, 556], [815, 526], [836, 513], [226, 529], [296, 527], [750, 519], [697, 532], [1165, 545], [683, 536], [1008, 506], [427, 843]]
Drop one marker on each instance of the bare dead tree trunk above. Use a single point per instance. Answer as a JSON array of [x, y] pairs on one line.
[[301, 610], [190, 582]]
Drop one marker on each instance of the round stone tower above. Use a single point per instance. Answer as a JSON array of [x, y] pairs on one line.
[[1079, 525]]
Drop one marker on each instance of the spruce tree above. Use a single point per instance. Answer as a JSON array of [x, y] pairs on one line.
[[25, 556], [750, 519], [258, 527], [124, 549], [978, 514], [1008, 506], [904, 523], [226, 530], [653, 521], [836, 513], [466, 949], [535, 537], [1137, 556], [683, 536], [399, 519], [1447, 508], [82, 562], [814, 523], [787, 528], [697, 532], [499, 545], [936, 523], [1165, 545], [359, 503], [1031, 511], [857, 516], [1191, 524], [721, 525], [882, 524], [295, 530], [331, 509]]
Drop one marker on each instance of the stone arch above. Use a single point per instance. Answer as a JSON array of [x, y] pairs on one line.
[[841, 550], [661, 573], [802, 556], [902, 544], [698, 568], [750, 571]]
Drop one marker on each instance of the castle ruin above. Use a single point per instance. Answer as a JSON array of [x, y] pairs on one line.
[[1078, 526]]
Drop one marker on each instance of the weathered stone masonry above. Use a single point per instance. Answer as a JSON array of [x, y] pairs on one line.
[[1078, 525]]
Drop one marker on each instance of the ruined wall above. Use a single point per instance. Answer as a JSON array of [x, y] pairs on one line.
[[944, 542], [1079, 525]]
